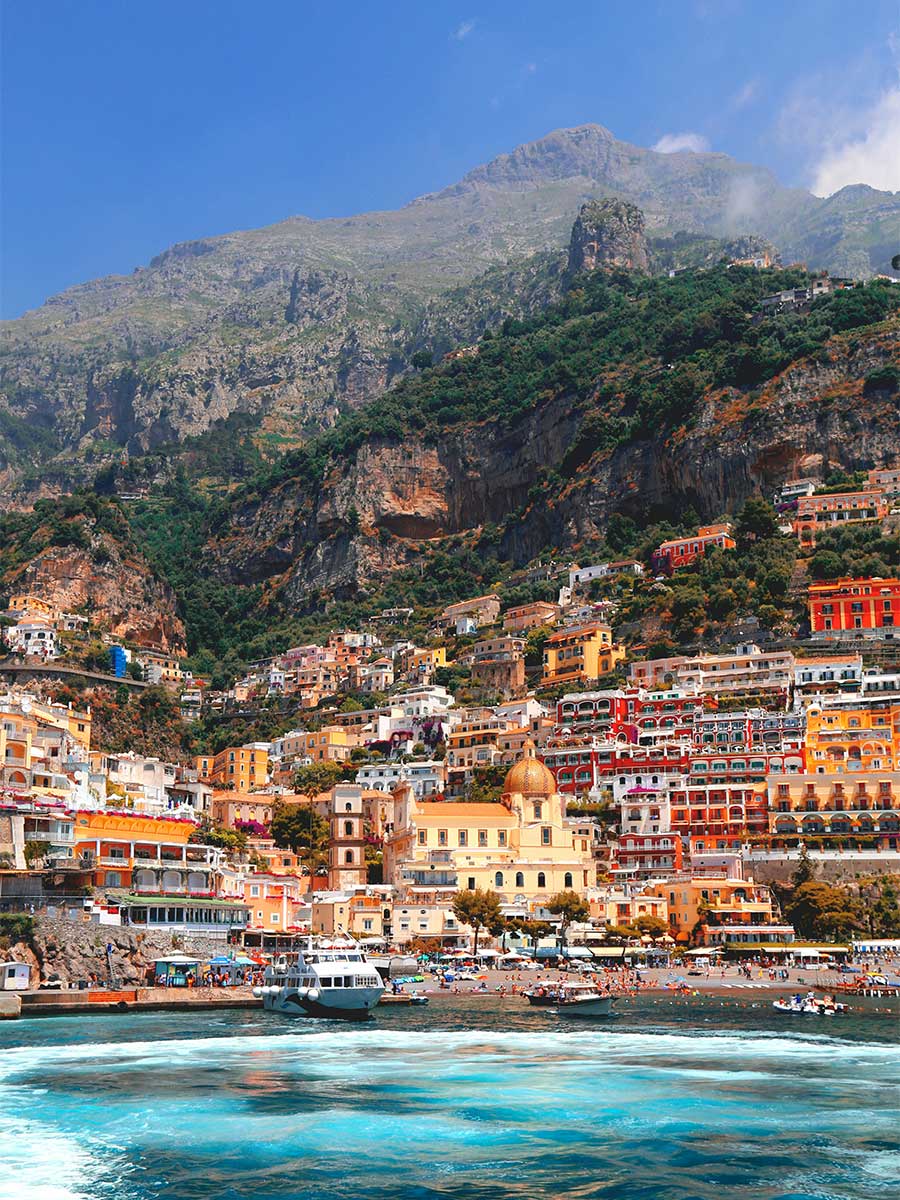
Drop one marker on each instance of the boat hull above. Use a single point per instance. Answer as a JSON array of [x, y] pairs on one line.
[[601, 1006], [352, 1005]]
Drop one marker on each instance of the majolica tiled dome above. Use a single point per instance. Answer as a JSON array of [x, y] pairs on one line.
[[529, 776]]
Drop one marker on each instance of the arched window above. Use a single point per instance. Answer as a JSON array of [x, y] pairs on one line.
[[520, 879], [348, 807], [348, 828], [542, 879], [567, 882], [348, 856], [498, 879]]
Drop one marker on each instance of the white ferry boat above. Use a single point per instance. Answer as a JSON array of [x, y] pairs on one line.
[[326, 980]]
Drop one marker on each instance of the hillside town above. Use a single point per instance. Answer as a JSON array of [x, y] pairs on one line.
[[666, 798]]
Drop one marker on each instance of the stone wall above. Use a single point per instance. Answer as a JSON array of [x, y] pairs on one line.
[[75, 949]]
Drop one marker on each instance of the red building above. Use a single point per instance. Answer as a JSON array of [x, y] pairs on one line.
[[854, 608], [645, 854], [679, 552], [718, 817]]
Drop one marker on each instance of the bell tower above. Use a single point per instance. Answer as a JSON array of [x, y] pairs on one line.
[[347, 846]]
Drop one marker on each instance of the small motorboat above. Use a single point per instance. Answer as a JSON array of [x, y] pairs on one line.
[[811, 1005], [417, 999], [573, 999]]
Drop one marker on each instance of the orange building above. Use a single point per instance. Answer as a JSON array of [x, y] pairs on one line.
[[273, 900], [530, 616], [242, 768], [148, 854], [830, 510], [857, 737], [580, 654], [854, 608]]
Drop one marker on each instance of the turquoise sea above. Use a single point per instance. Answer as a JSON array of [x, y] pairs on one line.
[[673, 1100]]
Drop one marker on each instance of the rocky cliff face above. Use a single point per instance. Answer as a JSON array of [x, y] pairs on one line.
[[609, 233], [88, 563], [295, 321], [395, 499]]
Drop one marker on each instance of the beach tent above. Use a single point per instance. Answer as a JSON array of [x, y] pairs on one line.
[[174, 969]]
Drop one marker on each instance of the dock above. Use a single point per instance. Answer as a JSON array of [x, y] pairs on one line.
[[48, 1003], [144, 999]]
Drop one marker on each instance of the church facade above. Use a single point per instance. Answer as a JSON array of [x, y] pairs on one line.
[[524, 848]]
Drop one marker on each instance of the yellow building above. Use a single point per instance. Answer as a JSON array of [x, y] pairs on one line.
[[420, 665], [852, 737], [33, 605], [361, 915], [865, 804], [331, 744], [229, 808], [242, 768], [523, 848], [730, 905], [579, 655]]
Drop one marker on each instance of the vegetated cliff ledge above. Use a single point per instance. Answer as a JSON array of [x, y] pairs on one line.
[[78, 554], [374, 513]]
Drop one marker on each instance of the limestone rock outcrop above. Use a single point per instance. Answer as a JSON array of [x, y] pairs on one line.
[[609, 233]]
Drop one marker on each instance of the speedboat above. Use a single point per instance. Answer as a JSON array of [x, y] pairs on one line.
[[573, 999], [811, 1005], [327, 979]]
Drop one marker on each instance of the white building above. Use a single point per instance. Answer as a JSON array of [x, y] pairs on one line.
[[34, 637], [425, 778]]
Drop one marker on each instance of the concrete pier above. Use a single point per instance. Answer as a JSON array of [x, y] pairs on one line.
[[10, 1006], [105, 1000]]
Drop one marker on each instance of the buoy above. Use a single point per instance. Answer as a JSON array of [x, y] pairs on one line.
[[313, 993], [257, 992]]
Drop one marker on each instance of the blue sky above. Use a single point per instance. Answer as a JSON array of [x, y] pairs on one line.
[[130, 126]]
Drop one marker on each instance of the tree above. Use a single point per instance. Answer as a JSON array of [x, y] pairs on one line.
[[655, 926], [620, 933], [805, 869], [318, 777], [422, 359], [756, 521], [300, 828], [478, 908], [571, 907], [219, 835], [34, 851], [534, 930], [819, 910]]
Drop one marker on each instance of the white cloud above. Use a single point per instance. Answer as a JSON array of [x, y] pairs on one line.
[[745, 95], [672, 143], [871, 155], [462, 31]]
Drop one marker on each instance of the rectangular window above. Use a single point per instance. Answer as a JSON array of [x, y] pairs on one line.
[[545, 836], [501, 837], [442, 837], [463, 836], [482, 837], [423, 837]]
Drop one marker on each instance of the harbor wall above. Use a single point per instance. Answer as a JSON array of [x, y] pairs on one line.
[[74, 951]]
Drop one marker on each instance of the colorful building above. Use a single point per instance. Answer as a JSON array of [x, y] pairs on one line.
[[832, 510], [854, 608], [241, 768], [865, 805], [530, 616], [853, 737], [680, 552], [524, 848], [580, 655]]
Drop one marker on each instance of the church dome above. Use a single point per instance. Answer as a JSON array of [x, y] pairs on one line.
[[529, 776]]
